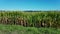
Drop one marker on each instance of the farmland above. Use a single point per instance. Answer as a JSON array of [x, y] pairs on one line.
[[17, 29], [30, 22]]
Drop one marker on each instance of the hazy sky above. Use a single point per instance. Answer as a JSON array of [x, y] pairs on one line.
[[29, 4]]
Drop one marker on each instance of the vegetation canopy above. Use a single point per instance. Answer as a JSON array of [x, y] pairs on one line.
[[31, 18]]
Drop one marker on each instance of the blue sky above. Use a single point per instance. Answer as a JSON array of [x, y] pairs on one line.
[[29, 4]]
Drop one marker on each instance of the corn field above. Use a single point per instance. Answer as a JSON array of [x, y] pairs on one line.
[[31, 19]]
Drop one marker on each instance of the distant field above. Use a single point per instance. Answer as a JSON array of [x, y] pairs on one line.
[[24, 22], [31, 18], [17, 29]]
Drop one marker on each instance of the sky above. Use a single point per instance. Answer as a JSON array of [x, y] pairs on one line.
[[29, 4]]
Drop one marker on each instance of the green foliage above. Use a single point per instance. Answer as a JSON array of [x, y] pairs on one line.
[[17, 29], [34, 19]]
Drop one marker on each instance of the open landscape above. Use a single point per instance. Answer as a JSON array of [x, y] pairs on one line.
[[29, 16], [29, 22]]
